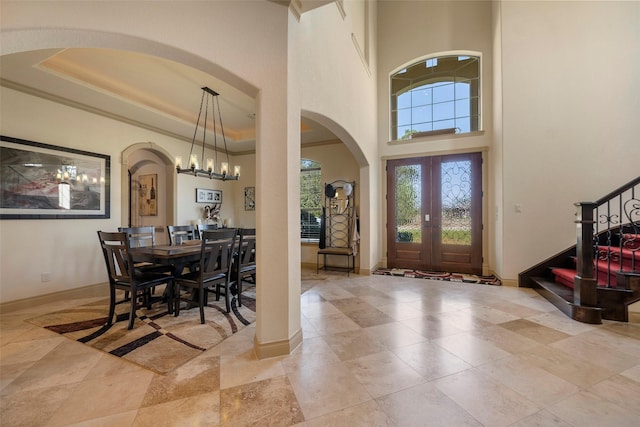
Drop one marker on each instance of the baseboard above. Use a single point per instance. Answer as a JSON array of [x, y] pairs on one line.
[[97, 290], [277, 348], [506, 282]]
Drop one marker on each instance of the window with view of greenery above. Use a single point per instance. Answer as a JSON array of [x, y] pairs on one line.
[[310, 200], [436, 95]]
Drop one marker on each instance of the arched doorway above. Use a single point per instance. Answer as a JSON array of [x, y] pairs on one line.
[[148, 188]]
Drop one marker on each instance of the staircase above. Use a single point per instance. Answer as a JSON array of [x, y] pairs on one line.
[[599, 277]]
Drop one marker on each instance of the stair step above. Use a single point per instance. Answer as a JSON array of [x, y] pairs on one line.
[[626, 253], [562, 297], [564, 276]]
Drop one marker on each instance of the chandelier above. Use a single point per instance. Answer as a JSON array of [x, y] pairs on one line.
[[209, 97]]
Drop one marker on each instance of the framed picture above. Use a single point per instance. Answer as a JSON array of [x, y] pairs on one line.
[[204, 195], [43, 181], [147, 191], [249, 198]]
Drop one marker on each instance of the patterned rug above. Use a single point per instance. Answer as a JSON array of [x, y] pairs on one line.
[[158, 341], [434, 275]]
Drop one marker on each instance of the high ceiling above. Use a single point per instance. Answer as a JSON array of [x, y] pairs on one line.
[[143, 90]]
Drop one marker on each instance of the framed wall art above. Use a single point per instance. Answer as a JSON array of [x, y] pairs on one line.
[[43, 181], [204, 195], [249, 198], [147, 199]]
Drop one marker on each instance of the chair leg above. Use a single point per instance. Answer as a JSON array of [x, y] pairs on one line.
[[132, 312], [176, 302], [227, 296], [169, 297], [112, 305], [239, 288], [202, 297]]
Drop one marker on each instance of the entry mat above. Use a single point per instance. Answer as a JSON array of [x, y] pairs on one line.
[[435, 275]]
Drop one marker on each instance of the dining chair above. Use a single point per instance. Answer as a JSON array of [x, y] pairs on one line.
[[214, 271], [143, 237], [245, 264], [203, 227], [180, 233], [140, 236], [124, 276]]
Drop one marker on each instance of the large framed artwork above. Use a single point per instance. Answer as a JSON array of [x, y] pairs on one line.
[[147, 195], [43, 181]]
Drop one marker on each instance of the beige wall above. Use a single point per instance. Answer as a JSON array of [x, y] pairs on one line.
[[569, 118], [337, 163], [284, 85], [338, 90], [458, 27], [558, 110]]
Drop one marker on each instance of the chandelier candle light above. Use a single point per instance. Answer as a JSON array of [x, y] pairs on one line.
[[194, 166]]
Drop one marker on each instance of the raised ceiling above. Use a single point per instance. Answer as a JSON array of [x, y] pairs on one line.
[[143, 90]]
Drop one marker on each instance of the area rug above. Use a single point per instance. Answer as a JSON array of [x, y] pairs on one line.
[[158, 341], [434, 275]]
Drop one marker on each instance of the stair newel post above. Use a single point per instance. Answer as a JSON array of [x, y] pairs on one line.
[[585, 283]]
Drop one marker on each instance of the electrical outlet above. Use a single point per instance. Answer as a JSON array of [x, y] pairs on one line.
[[45, 277]]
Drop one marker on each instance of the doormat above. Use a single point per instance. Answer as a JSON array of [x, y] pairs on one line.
[[434, 275], [158, 341]]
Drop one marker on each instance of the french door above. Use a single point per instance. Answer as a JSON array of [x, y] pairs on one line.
[[434, 213]]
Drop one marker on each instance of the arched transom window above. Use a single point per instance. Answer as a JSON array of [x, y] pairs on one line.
[[436, 95]]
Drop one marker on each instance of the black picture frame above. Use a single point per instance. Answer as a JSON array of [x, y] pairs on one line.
[[205, 195], [44, 181]]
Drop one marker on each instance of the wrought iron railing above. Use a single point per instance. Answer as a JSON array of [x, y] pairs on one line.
[[613, 222]]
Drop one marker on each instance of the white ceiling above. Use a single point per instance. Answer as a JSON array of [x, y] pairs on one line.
[[147, 91]]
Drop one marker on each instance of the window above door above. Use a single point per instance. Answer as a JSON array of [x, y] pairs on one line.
[[436, 95]]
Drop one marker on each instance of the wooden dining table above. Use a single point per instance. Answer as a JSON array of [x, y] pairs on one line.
[[178, 257]]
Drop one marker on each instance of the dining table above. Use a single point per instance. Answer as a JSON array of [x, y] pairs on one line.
[[178, 257]]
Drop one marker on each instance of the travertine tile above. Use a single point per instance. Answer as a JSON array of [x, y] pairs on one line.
[[587, 409], [504, 338], [534, 331], [608, 357], [333, 323], [269, 402], [101, 397], [431, 326], [67, 363], [245, 368], [364, 414], [560, 322], [537, 368], [200, 410], [124, 419], [28, 351], [620, 390], [383, 373], [487, 400], [535, 383], [201, 375], [352, 344], [395, 334], [425, 405], [543, 418], [581, 373], [632, 373], [472, 350], [35, 407], [430, 360], [323, 384]]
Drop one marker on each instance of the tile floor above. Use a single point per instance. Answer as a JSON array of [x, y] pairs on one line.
[[377, 351]]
